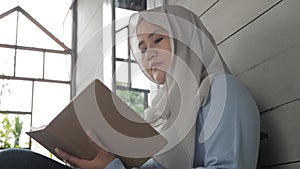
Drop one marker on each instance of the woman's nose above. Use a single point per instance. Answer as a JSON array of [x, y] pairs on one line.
[[151, 53]]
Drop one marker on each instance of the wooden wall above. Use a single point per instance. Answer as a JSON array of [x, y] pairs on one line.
[[260, 42], [89, 42]]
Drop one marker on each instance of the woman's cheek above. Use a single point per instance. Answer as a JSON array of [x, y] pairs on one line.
[[149, 71]]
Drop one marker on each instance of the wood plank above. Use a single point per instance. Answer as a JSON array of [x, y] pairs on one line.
[[197, 6], [89, 17], [267, 36], [287, 166], [90, 43], [89, 63], [227, 16], [93, 28], [283, 142], [275, 81]]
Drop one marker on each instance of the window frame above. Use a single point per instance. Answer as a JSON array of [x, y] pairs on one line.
[[66, 51], [128, 60]]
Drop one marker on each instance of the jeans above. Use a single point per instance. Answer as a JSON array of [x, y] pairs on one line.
[[26, 159]]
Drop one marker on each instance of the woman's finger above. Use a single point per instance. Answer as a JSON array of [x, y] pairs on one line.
[[69, 158]]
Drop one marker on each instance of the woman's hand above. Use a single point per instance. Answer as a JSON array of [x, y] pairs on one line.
[[102, 159]]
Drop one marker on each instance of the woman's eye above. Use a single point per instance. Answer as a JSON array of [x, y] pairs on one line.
[[143, 50], [158, 40]]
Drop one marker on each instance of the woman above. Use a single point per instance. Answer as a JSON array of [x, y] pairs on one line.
[[208, 118]]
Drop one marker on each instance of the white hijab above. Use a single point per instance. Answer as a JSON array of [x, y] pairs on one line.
[[195, 60]]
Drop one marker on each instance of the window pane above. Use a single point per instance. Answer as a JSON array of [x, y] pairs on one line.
[[8, 29], [49, 99], [138, 5], [57, 66], [133, 99], [131, 56], [14, 126], [67, 30], [15, 95], [29, 64], [107, 69], [122, 73], [138, 78], [38, 39], [7, 61], [122, 44], [122, 17]]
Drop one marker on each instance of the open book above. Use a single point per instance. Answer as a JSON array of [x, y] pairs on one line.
[[118, 127]]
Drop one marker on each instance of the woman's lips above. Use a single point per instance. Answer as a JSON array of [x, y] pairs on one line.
[[155, 65]]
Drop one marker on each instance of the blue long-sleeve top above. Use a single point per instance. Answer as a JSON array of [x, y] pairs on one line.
[[235, 142]]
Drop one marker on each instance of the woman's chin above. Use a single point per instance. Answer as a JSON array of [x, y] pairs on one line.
[[159, 78]]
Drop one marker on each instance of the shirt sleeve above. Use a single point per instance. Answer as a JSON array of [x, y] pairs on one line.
[[115, 164], [150, 164], [234, 143]]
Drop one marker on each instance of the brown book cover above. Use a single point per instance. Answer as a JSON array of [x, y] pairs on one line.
[[118, 127]]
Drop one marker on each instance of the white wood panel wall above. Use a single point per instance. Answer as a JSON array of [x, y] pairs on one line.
[[197, 6], [89, 51], [282, 125], [228, 16], [287, 166], [260, 42]]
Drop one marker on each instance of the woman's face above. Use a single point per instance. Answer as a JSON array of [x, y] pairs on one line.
[[154, 44]]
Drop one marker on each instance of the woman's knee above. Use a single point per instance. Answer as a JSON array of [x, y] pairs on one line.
[[14, 153], [22, 158]]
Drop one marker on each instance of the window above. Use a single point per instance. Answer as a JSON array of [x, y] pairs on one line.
[[136, 96], [129, 82], [136, 5], [35, 76]]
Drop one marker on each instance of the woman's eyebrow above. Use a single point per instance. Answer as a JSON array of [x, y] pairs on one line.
[[154, 32]]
